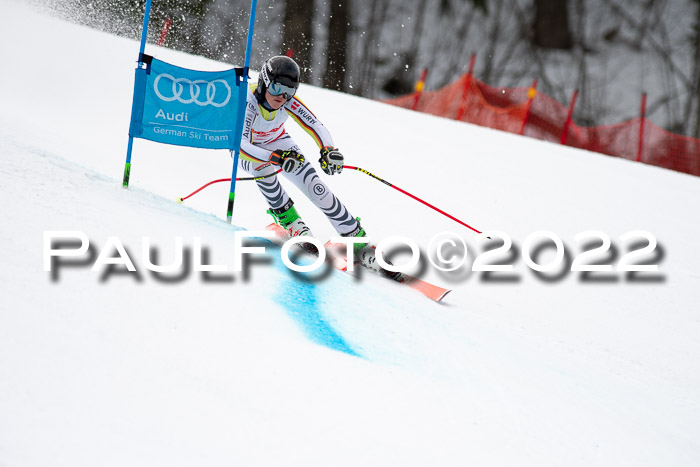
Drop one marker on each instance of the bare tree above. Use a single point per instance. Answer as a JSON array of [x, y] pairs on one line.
[[695, 78], [336, 61], [402, 77], [551, 27], [297, 36], [494, 35], [368, 47]]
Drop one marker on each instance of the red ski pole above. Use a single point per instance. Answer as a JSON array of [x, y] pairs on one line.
[[239, 179], [412, 196]]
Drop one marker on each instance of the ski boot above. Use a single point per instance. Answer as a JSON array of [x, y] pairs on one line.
[[365, 253], [288, 218]]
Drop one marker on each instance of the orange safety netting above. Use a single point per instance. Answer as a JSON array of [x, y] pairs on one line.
[[511, 109]]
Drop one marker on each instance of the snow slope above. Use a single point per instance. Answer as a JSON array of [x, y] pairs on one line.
[[116, 368]]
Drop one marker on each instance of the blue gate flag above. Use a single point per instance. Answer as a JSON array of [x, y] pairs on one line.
[[185, 107]]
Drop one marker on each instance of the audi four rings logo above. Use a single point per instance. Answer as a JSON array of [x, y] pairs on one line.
[[216, 93]]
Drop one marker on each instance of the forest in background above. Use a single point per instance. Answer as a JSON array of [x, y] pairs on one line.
[[610, 50]]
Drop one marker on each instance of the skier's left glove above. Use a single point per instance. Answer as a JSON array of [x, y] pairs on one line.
[[331, 160]]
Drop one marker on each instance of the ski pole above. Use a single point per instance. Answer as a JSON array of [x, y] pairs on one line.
[[412, 196], [240, 179]]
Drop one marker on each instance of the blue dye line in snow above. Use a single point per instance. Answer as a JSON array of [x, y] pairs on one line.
[[299, 298]]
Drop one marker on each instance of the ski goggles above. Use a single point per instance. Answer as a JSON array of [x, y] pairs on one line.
[[277, 89]]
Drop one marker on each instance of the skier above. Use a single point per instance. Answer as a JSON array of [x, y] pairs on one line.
[[266, 147]]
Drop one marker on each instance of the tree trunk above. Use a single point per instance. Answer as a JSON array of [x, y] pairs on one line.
[[336, 61], [297, 36], [364, 85], [695, 79], [551, 27], [405, 75]]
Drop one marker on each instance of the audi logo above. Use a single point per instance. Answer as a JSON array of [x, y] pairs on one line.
[[187, 92]]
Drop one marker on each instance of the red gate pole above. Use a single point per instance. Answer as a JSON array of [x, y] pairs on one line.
[[419, 88], [531, 93], [467, 82], [642, 117], [472, 61], [164, 31], [572, 104]]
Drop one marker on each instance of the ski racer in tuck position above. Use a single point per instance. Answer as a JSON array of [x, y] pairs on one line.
[[266, 147]]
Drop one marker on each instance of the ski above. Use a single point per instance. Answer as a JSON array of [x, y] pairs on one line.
[[335, 254]]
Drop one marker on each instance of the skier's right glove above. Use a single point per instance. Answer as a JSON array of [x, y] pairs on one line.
[[290, 160]]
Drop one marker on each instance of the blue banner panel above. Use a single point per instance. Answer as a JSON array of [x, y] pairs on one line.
[[185, 107]]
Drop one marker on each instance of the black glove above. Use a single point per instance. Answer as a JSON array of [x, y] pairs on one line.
[[290, 160], [331, 160]]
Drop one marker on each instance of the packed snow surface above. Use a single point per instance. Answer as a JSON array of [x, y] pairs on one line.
[[110, 367]]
